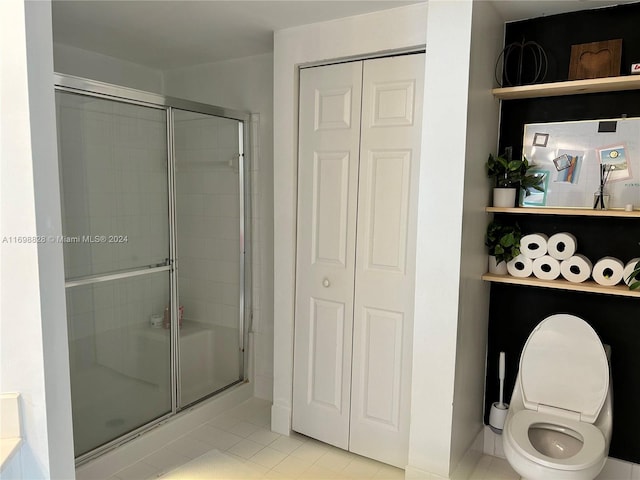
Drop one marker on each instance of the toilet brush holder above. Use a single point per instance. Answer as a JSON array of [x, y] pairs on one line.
[[497, 416], [499, 410]]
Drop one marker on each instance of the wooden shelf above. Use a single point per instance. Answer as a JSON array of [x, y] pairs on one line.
[[571, 87], [561, 284], [578, 212]]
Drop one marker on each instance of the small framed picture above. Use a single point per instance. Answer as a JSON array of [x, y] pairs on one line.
[[615, 157], [568, 164], [540, 139], [562, 162], [533, 197]]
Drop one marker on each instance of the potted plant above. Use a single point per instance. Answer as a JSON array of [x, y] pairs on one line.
[[504, 245], [634, 278], [510, 175]]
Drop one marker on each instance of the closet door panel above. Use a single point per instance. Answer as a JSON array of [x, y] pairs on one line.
[[330, 209], [382, 351], [386, 209], [328, 151], [385, 253]]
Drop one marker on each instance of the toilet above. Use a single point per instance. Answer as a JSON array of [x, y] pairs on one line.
[[560, 415]]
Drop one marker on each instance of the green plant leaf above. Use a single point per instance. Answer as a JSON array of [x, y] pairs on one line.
[[503, 241], [514, 165], [507, 240], [507, 173], [634, 278]]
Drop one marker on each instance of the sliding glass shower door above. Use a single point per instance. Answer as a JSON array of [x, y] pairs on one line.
[[209, 227], [114, 185], [155, 234]]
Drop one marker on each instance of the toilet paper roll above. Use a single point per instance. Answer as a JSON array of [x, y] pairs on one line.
[[608, 271], [576, 269], [546, 268], [520, 266], [562, 246], [534, 245], [629, 267]]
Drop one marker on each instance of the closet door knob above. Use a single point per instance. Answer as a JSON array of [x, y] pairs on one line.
[[326, 283]]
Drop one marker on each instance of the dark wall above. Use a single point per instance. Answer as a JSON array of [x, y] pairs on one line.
[[516, 310], [557, 33]]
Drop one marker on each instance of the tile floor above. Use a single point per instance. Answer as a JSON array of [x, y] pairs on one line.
[[493, 468], [239, 445]]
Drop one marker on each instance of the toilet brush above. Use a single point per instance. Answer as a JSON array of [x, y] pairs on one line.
[[499, 409]]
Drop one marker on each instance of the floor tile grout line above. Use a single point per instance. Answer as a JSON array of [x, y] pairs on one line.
[[254, 419]]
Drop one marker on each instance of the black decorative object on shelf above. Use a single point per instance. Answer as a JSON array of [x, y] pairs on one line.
[[523, 63]]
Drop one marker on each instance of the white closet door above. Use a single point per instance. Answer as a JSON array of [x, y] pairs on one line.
[[327, 194], [385, 257]]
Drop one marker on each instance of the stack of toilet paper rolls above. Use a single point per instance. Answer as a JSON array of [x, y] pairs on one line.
[[549, 257]]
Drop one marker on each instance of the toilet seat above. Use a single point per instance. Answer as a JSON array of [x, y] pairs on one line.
[[593, 448]]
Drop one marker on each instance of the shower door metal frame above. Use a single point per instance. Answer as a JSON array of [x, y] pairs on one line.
[[93, 88]]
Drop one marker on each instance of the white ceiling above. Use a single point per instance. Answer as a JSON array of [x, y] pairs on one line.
[[170, 34], [512, 10], [166, 34]]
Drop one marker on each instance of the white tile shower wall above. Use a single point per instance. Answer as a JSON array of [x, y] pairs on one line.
[[246, 84], [135, 300], [208, 220], [261, 326], [114, 182], [104, 316]]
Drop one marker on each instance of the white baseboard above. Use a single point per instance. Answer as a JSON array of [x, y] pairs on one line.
[[614, 469], [413, 473], [281, 419], [462, 471]]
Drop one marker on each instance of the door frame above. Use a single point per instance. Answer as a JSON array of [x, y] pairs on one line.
[[293, 50]]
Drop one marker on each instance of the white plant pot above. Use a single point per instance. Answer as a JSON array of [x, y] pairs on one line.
[[498, 269], [504, 197]]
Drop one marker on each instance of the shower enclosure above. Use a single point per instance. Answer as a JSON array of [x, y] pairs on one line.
[[156, 249]]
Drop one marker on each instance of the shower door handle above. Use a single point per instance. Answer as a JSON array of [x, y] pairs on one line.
[[107, 277]]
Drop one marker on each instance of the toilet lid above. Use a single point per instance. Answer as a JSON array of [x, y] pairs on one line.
[[564, 365]]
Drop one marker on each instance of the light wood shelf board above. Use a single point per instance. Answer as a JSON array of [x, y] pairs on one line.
[[571, 87], [561, 284], [586, 212]]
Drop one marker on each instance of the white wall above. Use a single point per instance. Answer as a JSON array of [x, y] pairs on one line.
[[84, 63], [440, 235], [33, 340], [451, 301], [246, 84], [462, 119], [482, 137]]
